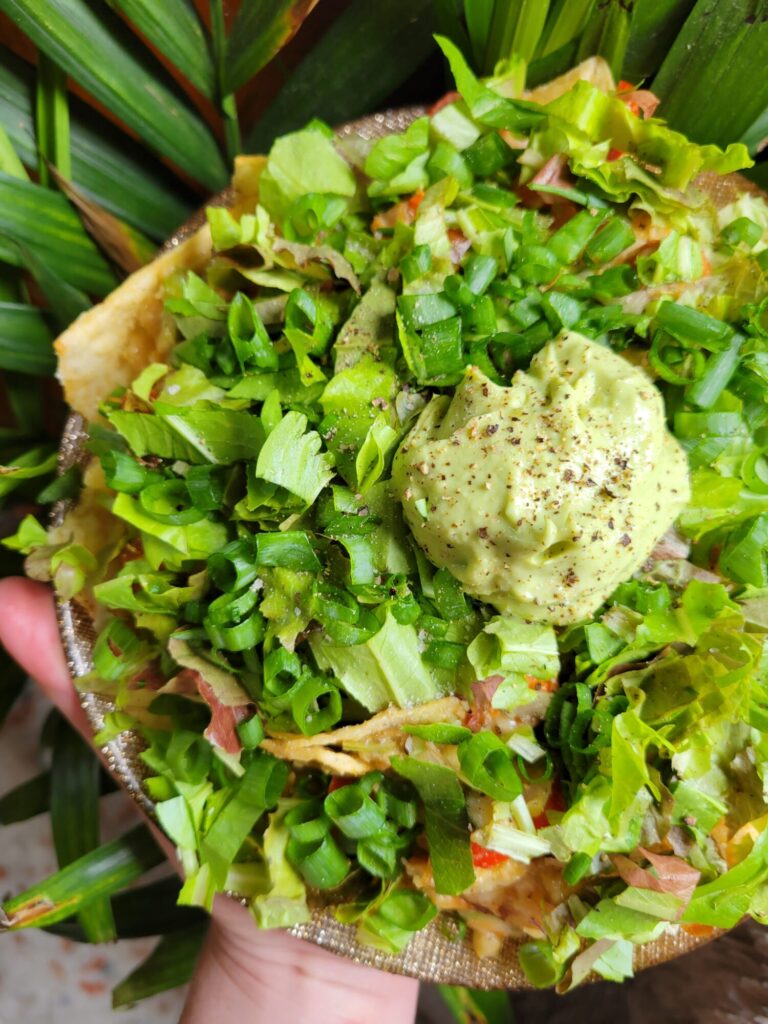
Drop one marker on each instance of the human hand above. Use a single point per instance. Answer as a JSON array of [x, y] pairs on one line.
[[243, 974]]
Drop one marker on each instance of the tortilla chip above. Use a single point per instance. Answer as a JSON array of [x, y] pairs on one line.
[[330, 761], [109, 345], [245, 182], [594, 69], [442, 710]]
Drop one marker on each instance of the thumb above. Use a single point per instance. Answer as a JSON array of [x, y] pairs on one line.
[[30, 634]]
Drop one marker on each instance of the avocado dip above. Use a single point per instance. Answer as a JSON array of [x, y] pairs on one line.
[[543, 496]]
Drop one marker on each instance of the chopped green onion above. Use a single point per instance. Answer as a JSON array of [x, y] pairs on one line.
[[577, 868], [354, 811], [233, 566], [479, 319], [119, 652], [249, 336], [487, 765], [444, 654], [379, 853], [124, 473], [238, 636], [691, 326], [292, 550], [282, 669], [316, 705], [754, 472], [416, 264], [251, 732], [675, 364], [308, 822], [613, 282], [392, 923], [717, 374], [168, 502], [321, 863], [313, 213], [743, 555], [441, 352], [536, 264], [447, 162], [494, 197], [230, 607], [479, 271], [449, 597], [561, 310], [488, 154], [396, 798], [613, 238], [742, 231], [206, 486], [420, 311], [570, 241]]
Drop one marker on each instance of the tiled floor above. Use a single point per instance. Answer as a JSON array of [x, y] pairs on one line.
[[45, 979]]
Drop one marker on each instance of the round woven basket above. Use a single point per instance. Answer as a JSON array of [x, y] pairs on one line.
[[434, 954]]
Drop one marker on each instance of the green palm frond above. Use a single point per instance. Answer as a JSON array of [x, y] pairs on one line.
[[100, 51]]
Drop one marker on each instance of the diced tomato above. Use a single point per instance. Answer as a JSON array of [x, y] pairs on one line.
[[444, 101], [615, 154], [415, 200], [701, 931], [338, 781], [555, 802], [541, 685], [482, 857]]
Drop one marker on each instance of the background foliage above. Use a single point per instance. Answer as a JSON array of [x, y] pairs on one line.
[[117, 119]]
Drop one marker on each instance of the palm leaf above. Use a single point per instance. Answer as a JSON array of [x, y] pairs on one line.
[[35, 217], [261, 29], [655, 23], [173, 27], [74, 796], [52, 121], [127, 248], [27, 800], [472, 1006], [12, 681], [478, 14], [36, 462], [65, 302], [703, 80], [102, 872], [9, 160], [227, 98], [101, 53], [606, 34], [139, 913], [371, 48], [25, 340], [170, 964], [106, 165], [23, 394]]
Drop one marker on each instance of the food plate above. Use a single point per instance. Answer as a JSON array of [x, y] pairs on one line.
[[434, 955]]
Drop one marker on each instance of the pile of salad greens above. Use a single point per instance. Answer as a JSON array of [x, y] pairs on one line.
[[260, 594]]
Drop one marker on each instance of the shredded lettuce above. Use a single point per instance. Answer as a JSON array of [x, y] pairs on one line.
[[302, 163], [520, 652], [387, 668]]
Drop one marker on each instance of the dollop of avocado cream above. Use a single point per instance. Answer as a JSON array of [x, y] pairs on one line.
[[543, 496]]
